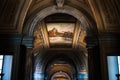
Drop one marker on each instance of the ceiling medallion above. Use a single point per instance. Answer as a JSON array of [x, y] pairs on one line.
[[60, 3]]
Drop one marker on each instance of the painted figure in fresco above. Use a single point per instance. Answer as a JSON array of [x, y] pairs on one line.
[[53, 32], [68, 35]]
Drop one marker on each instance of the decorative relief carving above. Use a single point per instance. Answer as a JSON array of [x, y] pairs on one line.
[[60, 3]]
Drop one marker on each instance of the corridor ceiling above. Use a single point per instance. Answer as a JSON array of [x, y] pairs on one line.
[[24, 16], [16, 15], [59, 23], [61, 31]]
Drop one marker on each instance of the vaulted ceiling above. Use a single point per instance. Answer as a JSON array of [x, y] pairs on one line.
[[28, 22], [14, 14], [21, 17]]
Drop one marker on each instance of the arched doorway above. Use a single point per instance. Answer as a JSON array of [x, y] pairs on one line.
[[59, 70], [37, 26], [61, 49]]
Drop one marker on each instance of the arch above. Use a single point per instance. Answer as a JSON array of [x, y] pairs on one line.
[[45, 60], [25, 7], [62, 67], [34, 20], [74, 59], [61, 72]]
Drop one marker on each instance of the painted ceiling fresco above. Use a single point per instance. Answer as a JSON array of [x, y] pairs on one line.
[[61, 33]]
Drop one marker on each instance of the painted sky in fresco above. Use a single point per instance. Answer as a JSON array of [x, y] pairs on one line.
[[61, 27]]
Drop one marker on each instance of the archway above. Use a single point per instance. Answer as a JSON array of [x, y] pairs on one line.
[[60, 76], [35, 20]]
